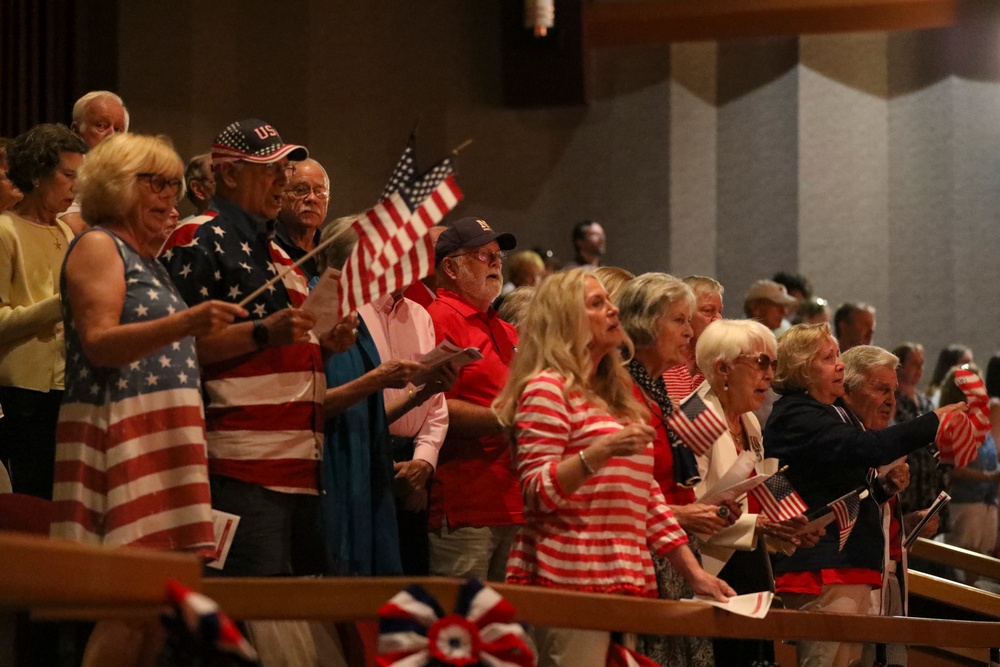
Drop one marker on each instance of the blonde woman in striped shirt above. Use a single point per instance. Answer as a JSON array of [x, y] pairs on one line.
[[594, 513]]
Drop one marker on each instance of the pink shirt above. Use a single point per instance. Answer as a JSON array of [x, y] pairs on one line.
[[404, 330]]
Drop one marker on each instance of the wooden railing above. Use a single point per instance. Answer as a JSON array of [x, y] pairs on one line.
[[68, 580]]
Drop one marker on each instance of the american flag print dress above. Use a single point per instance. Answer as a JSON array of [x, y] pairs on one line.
[[131, 464]]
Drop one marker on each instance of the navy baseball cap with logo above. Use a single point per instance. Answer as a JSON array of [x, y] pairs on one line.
[[253, 140], [470, 233]]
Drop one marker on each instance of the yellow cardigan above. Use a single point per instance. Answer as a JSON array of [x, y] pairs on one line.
[[32, 349]]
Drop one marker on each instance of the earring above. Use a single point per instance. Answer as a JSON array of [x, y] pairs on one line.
[[725, 387]]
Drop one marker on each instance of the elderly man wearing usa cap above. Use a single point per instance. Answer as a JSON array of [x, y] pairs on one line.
[[475, 501], [263, 377]]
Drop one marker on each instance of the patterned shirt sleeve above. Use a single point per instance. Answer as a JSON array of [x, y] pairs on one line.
[[194, 272]]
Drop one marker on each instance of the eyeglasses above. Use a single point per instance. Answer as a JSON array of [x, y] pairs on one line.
[[158, 182], [303, 191], [762, 361], [484, 256]]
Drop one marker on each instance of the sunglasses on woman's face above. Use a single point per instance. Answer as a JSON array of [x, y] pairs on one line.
[[762, 361]]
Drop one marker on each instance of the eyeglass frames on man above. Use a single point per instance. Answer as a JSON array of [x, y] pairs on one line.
[[302, 191], [484, 256]]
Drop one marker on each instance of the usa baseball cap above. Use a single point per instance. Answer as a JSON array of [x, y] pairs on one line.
[[254, 140]]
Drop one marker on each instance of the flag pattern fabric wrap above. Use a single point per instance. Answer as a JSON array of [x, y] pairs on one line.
[[961, 434], [198, 630], [414, 630], [697, 424], [131, 464], [619, 656], [778, 500], [846, 512], [394, 249]]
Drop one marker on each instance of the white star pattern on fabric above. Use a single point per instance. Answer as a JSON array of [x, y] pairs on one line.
[[153, 296], [234, 292], [164, 361], [190, 363], [141, 310], [204, 292], [245, 247], [151, 380], [171, 310], [84, 372], [134, 365], [219, 249], [95, 389], [259, 310], [132, 281], [217, 275], [122, 383], [185, 271], [219, 231], [176, 345], [168, 254], [246, 266], [182, 377]]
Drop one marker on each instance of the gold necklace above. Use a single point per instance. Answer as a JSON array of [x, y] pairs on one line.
[[52, 229]]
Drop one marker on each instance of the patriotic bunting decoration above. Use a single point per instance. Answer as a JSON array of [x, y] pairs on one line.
[[960, 434], [846, 511], [697, 424], [394, 249], [200, 633], [414, 631], [619, 656], [778, 499]]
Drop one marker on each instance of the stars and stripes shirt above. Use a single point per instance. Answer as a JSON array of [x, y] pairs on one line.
[[263, 410], [130, 454], [600, 537]]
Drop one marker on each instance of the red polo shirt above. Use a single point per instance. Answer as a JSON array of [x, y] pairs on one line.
[[475, 483]]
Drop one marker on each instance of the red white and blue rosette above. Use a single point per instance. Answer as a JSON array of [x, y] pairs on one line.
[[414, 631]]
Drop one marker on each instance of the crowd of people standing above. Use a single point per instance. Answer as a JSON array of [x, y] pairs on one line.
[[154, 380]]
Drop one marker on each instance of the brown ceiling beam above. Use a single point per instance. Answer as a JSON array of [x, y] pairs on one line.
[[652, 22]]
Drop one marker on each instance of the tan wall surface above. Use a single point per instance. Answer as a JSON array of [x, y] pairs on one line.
[[871, 162]]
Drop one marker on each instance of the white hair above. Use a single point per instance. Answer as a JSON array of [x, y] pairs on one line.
[[80, 108], [725, 340], [859, 360]]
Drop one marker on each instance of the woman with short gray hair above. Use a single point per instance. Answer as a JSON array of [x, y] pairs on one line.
[[655, 312], [738, 360]]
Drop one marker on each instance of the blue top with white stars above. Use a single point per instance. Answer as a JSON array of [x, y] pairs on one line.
[[228, 259]]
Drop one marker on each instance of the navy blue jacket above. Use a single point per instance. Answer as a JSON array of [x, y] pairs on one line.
[[828, 457]]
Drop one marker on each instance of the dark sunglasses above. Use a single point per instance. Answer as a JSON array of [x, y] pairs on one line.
[[762, 361]]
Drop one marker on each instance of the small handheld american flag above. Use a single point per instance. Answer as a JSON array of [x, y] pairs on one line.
[[845, 509], [778, 499], [697, 424]]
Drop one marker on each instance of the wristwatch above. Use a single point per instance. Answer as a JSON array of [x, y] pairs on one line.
[[261, 334]]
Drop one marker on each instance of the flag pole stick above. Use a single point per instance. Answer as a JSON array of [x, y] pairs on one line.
[[462, 146], [309, 255]]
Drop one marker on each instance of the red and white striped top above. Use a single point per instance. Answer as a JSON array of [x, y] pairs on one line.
[[681, 383], [600, 537]]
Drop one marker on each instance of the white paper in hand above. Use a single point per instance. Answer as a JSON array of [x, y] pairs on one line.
[[224, 527], [752, 605], [732, 483], [448, 352], [324, 301]]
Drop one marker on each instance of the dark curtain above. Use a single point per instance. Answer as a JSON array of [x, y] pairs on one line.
[[45, 64]]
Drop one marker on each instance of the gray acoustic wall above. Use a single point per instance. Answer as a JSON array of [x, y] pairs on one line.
[[869, 162]]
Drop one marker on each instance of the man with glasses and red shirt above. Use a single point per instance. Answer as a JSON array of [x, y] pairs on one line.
[[263, 377], [303, 210], [475, 500]]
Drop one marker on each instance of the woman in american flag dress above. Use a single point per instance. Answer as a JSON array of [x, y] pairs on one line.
[[593, 511], [130, 455]]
